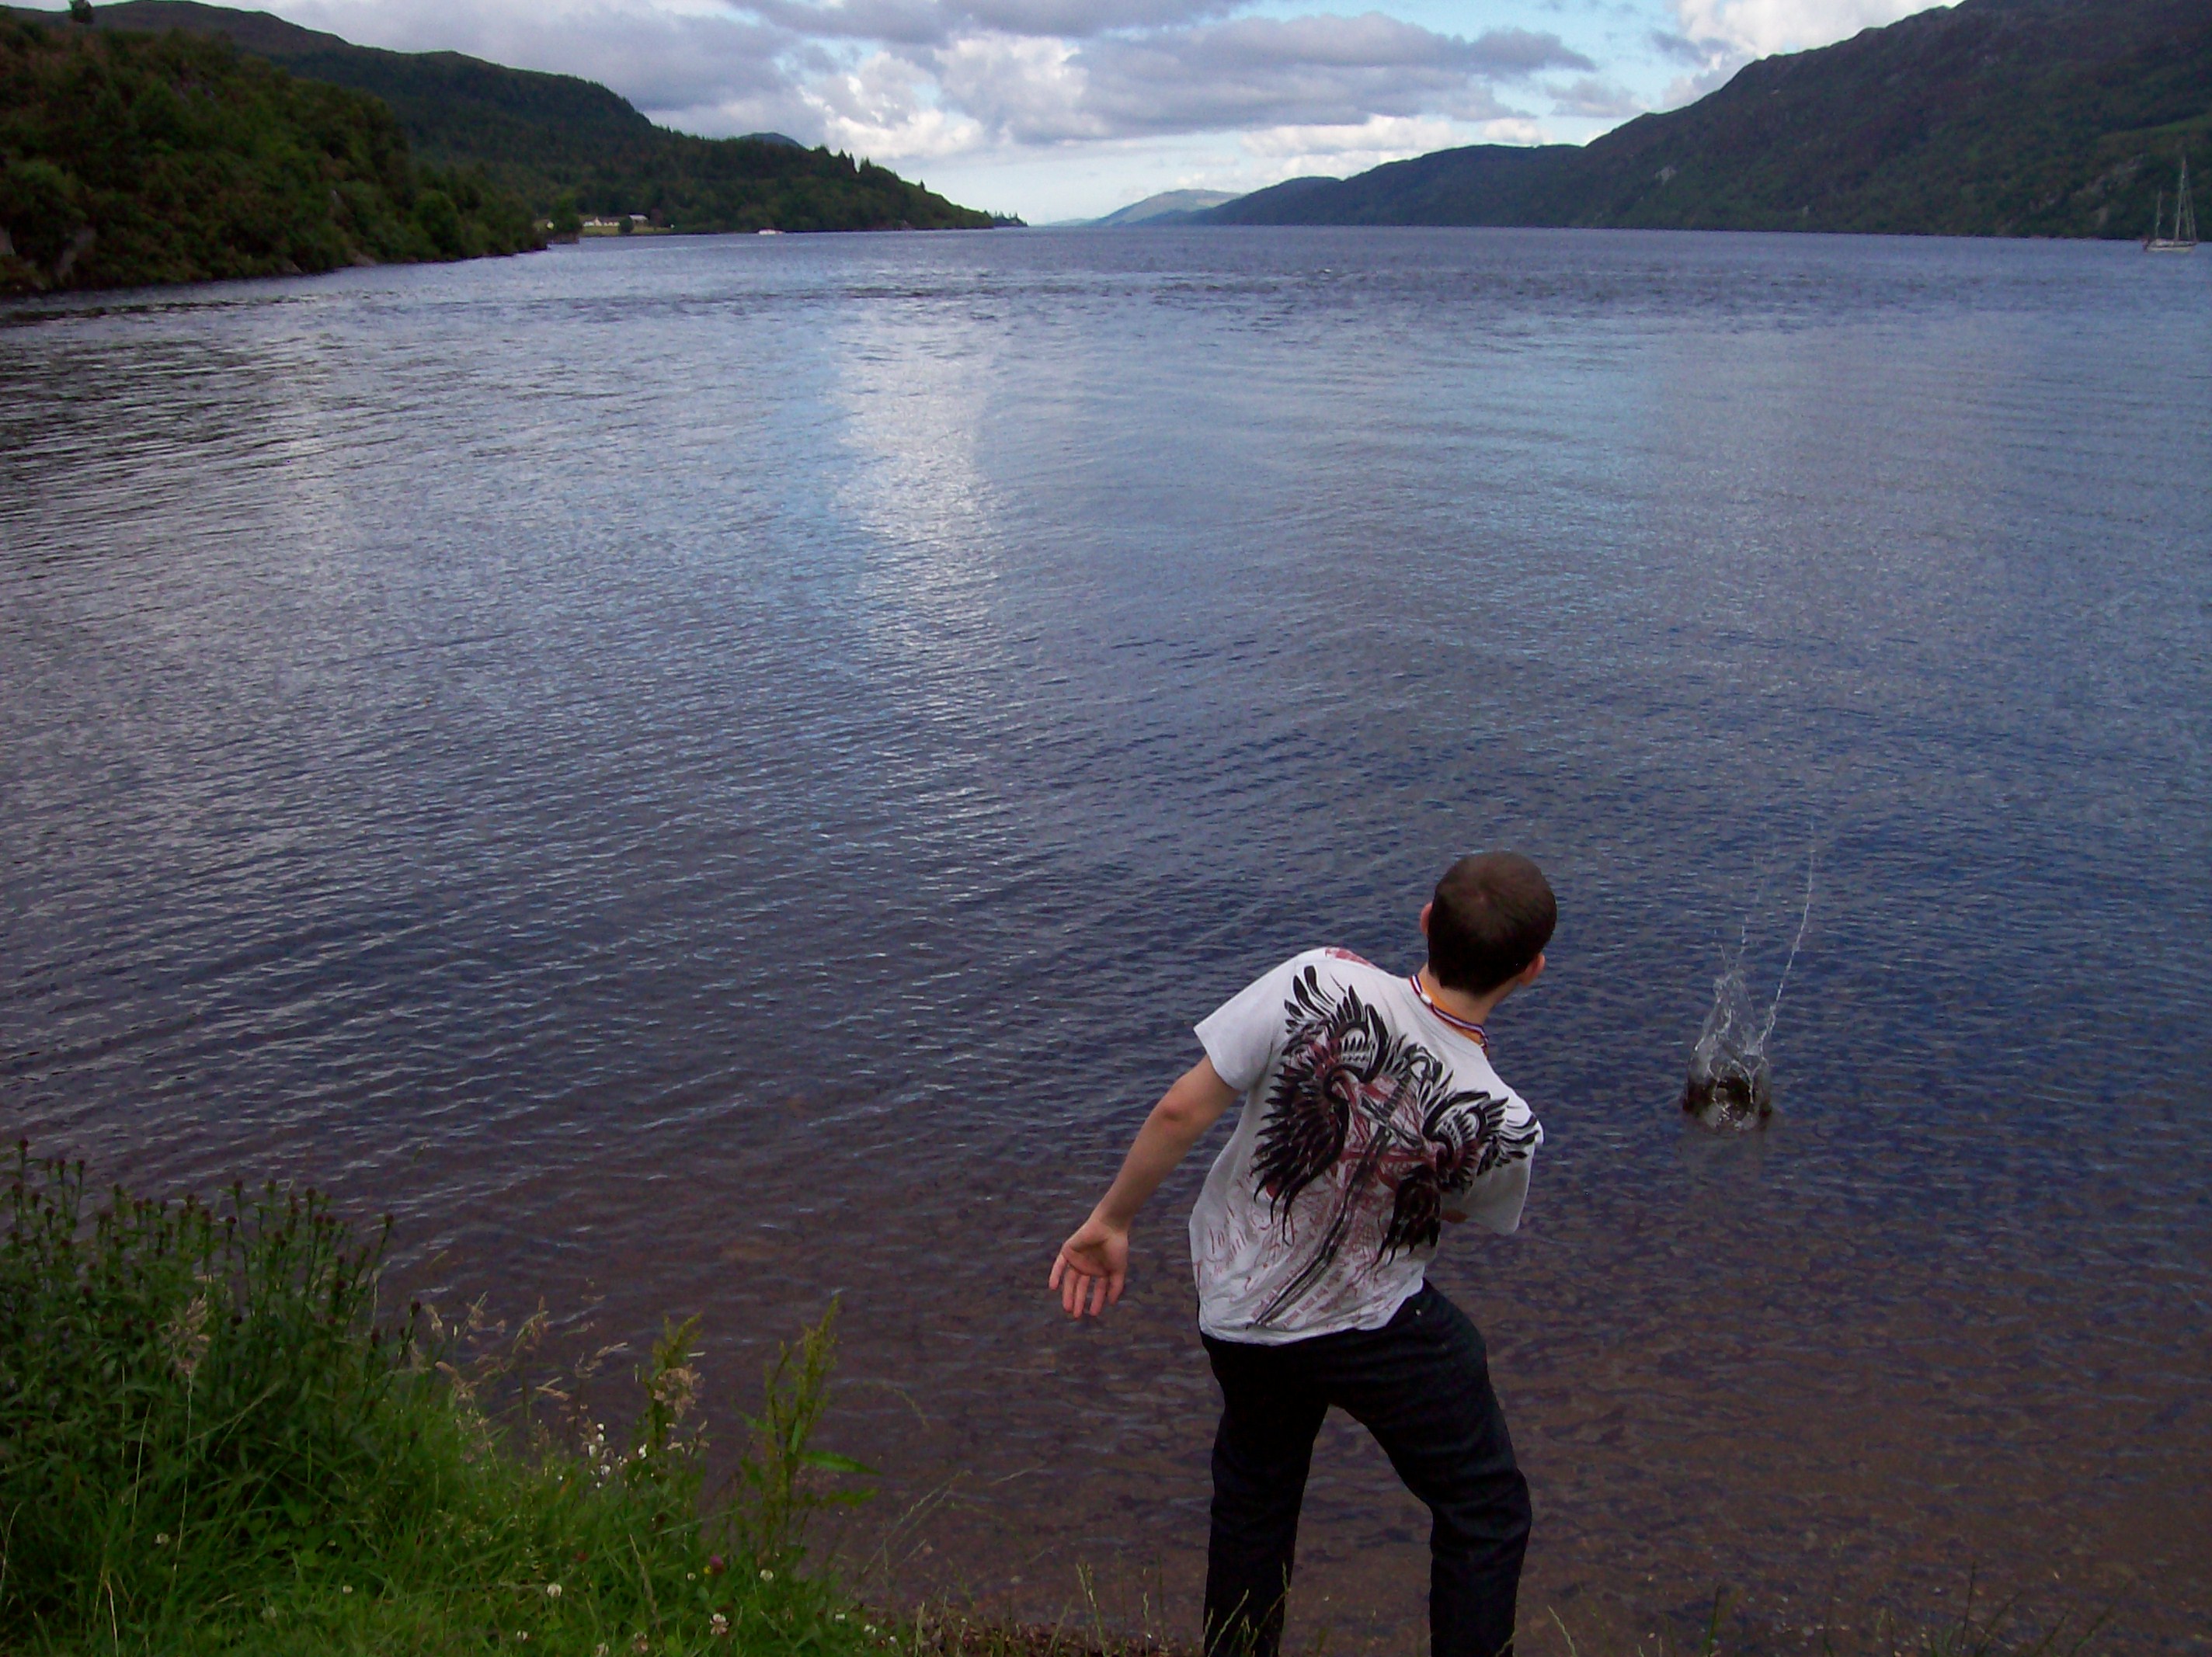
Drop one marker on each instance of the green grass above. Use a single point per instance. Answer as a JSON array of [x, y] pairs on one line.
[[210, 1441]]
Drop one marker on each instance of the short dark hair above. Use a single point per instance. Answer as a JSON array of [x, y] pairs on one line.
[[1493, 914]]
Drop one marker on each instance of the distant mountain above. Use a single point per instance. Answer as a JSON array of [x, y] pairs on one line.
[[1484, 183], [2004, 118], [562, 143], [1169, 207]]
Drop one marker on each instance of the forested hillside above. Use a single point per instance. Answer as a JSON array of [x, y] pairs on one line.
[[2008, 117], [130, 158], [557, 138]]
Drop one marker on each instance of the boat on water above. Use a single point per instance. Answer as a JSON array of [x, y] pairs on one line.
[[2183, 239]]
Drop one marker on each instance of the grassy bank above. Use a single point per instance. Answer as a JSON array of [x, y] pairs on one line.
[[214, 1438], [211, 1441]]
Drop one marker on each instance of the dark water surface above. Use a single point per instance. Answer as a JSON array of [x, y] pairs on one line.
[[706, 772]]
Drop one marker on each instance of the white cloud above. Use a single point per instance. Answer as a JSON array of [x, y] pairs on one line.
[[1029, 90], [1719, 70], [1514, 130], [1255, 72], [935, 22], [1291, 152], [1600, 100], [1672, 48], [1248, 74], [994, 90], [881, 108], [1718, 36], [1758, 29], [660, 59]]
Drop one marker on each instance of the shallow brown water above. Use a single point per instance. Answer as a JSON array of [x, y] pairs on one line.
[[708, 776]]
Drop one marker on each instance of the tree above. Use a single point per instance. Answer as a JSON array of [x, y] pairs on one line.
[[440, 220], [130, 158], [42, 206], [81, 10]]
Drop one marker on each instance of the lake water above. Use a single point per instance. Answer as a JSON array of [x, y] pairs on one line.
[[706, 773]]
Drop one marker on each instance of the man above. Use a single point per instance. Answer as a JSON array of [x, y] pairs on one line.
[[1370, 1115]]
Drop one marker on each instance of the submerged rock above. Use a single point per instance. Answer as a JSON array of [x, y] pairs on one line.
[[1734, 1099]]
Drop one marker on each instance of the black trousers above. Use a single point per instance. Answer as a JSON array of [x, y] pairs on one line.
[[1421, 1385]]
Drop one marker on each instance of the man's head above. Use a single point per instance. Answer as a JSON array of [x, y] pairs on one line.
[[1489, 920]]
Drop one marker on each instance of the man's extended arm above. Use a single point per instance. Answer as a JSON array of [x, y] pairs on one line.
[[1094, 1263]]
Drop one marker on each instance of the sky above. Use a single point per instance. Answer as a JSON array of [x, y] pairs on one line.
[[1063, 109]]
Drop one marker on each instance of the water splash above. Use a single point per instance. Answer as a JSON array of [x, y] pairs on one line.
[[1731, 1085]]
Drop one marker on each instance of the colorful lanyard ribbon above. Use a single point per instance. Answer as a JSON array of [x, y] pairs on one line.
[[1461, 1025]]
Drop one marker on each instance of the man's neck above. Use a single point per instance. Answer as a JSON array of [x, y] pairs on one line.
[[1460, 1004]]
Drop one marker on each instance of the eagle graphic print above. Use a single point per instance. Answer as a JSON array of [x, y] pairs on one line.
[[1370, 1121]]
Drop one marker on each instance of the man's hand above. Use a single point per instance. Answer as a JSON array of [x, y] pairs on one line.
[[1091, 1267]]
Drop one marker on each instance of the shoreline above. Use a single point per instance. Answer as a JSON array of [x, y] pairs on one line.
[[456, 1486]]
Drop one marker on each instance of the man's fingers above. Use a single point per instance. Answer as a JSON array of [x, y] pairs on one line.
[[1086, 1287]]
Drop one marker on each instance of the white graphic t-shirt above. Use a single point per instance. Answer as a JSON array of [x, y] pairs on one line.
[[1368, 1119]]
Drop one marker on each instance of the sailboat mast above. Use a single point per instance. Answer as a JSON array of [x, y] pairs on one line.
[[2183, 239]]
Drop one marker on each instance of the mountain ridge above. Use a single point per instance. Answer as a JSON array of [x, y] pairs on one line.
[[566, 144], [1990, 117], [1165, 207]]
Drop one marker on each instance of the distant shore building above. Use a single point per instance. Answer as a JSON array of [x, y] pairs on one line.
[[621, 224]]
